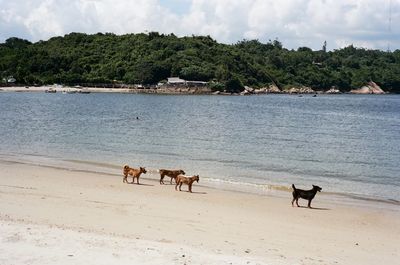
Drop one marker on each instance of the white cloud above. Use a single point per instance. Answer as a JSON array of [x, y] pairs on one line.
[[294, 22]]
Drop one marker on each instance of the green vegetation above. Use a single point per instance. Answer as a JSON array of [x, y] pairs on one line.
[[149, 58]]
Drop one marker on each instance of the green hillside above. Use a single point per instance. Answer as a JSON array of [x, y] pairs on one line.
[[83, 59]]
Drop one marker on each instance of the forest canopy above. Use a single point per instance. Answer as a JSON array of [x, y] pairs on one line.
[[79, 59]]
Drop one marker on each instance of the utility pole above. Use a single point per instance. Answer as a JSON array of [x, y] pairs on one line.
[[389, 24]]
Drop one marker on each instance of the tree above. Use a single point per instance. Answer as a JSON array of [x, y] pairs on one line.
[[324, 47], [234, 85]]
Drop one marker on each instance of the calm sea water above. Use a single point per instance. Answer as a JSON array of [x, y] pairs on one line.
[[347, 144]]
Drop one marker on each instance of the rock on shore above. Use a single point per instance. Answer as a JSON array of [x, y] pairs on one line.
[[370, 88], [301, 90], [333, 90]]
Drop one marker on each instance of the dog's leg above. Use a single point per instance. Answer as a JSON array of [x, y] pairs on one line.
[[293, 201], [180, 186], [309, 203], [171, 180], [297, 202], [161, 179], [137, 180], [176, 186], [190, 187]]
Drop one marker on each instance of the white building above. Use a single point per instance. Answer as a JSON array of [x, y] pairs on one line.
[[11, 79], [176, 81]]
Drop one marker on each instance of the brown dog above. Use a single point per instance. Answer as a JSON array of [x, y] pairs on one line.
[[187, 180], [170, 173], [134, 172]]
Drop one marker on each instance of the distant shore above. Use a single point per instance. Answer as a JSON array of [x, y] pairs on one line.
[[102, 90], [173, 91], [50, 215]]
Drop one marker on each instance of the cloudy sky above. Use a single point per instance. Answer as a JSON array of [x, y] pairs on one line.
[[363, 23]]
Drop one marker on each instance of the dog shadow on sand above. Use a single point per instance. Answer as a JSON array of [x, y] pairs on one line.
[[194, 192], [198, 192], [315, 208], [141, 184]]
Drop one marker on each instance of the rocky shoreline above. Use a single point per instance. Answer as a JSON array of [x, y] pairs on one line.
[[369, 88]]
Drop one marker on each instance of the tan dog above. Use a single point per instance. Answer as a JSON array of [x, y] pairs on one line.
[[170, 173], [187, 180], [134, 172]]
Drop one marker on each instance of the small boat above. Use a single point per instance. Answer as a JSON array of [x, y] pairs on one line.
[[84, 91], [69, 91], [50, 90]]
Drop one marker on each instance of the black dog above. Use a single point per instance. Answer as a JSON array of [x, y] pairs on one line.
[[304, 194]]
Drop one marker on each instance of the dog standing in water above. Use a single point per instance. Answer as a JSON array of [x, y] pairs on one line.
[[304, 194]]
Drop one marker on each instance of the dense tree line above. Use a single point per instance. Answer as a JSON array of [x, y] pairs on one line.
[[79, 58]]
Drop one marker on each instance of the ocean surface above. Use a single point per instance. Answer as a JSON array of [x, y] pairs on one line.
[[347, 144]]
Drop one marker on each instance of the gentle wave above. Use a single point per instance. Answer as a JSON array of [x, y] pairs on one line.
[[269, 189]]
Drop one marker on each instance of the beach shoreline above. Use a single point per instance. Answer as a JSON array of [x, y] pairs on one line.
[[83, 90], [150, 223], [261, 189], [169, 91]]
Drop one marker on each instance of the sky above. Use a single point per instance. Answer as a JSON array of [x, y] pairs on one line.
[[369, 24]]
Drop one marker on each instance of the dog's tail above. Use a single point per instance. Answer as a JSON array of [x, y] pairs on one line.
[[294, 188]]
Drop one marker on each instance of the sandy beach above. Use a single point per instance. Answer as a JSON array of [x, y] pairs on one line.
[[51, 215], [67, 89], [64, 89]]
